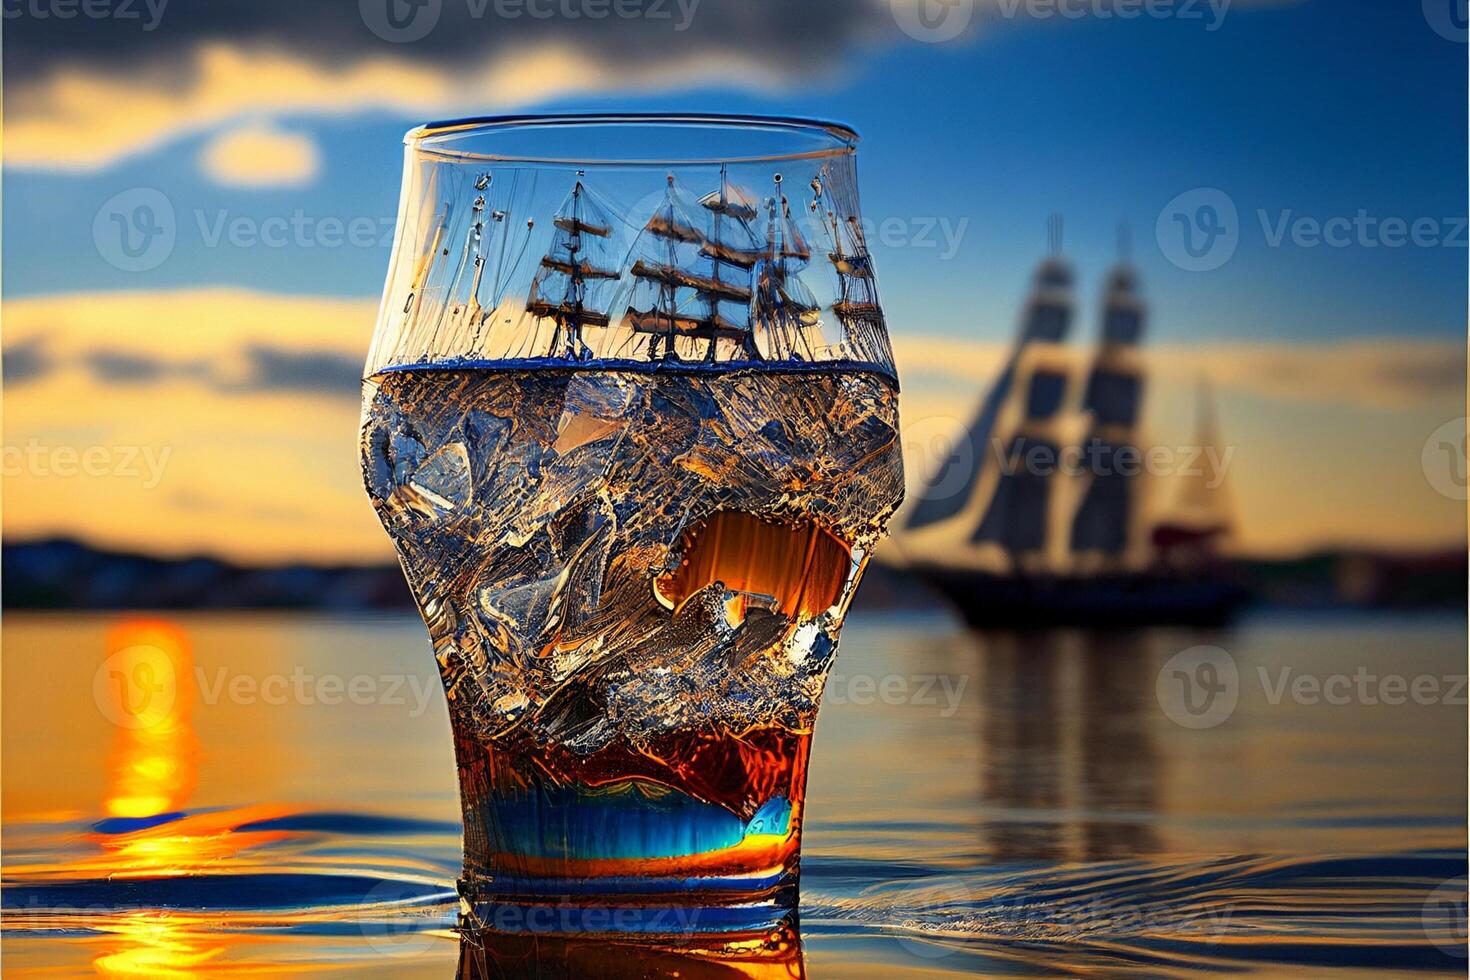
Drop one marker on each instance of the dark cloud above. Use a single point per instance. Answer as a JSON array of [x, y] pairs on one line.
[[266, 368], [125, 367], [27, 361], [321, 371], [793, 38]]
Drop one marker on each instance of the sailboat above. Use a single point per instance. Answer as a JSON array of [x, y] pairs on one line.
[[1014, 544], [691, 276], [784, 309], [856, 307], [575, 274]]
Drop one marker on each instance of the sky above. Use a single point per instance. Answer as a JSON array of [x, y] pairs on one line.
[[200, 395]]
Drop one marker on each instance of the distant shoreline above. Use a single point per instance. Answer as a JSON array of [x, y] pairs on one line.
[[62, 573]]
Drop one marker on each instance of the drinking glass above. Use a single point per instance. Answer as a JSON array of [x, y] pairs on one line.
[[630, 419]]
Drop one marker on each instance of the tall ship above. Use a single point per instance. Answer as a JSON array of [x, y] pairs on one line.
[[576, 276], [1041, 514]]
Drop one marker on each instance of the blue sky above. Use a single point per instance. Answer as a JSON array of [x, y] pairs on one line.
[[1332, 363], [1320, 109]]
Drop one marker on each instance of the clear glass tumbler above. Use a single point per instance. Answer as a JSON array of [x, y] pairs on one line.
[[630, 418]]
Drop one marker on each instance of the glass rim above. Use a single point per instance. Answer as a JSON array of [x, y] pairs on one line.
[[438, 138]]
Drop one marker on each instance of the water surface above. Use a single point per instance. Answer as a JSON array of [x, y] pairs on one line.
[[991, 805]]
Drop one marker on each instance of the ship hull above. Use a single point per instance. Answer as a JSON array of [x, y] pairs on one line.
[[1121, 601]]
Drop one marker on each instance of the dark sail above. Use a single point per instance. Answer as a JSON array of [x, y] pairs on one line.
[[1046, 320], [1103, 525]]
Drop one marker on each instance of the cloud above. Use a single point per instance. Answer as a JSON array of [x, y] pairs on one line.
[[83, 94], [1329, 434], [262, 342], [265, 369], [110, 365], [319, 371], [258, 155], [231, 341], [27, 361]]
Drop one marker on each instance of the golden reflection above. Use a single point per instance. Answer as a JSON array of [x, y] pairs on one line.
[[145, 686]]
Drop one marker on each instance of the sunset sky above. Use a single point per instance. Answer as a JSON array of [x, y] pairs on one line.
[[201, 394]]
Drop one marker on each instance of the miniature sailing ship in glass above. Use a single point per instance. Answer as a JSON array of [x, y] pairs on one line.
[[716, 267]]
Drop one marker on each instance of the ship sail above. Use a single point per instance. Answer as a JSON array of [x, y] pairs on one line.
[[784, 309], [575, 277], [856, 307], [986, 475], [1103, 528], [1201, 517], [691, 279]]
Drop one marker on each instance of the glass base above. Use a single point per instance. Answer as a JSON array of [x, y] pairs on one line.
[[645, 906]]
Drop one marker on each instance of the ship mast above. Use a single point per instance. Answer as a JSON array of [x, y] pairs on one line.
[[783, 306], [723, 208], [678, 283], [857, 306], [1103, 526], [567, 259]]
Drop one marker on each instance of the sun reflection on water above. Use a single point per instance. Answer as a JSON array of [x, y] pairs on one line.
[[146, 687]]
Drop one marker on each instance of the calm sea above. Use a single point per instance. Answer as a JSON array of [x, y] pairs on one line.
[[1287, 798]]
